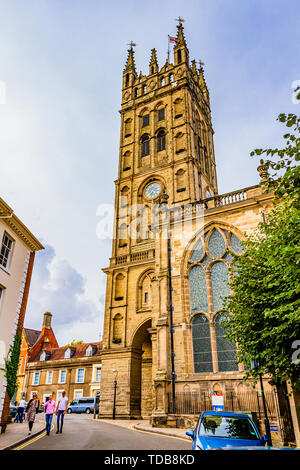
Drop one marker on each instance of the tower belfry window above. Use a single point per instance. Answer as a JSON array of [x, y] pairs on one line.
[[161, 141], [161, 114], [146, 120], [145, 145], [179, 57]]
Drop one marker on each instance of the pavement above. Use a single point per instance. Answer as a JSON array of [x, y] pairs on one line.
[[17, 433]]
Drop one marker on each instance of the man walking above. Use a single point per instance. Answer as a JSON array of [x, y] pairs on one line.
[[20, 410], [50, 407], [61, 411]]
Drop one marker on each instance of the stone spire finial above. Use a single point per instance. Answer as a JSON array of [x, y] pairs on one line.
[[153, 64], [263, 171], [130, 64], [180, 36]]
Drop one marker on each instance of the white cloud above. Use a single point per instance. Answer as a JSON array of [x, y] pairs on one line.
[[58, 288]]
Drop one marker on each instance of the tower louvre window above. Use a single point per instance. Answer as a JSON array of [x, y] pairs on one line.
[[145, 145], [161, 141], [179, 57], [161, 114], [146, 120]]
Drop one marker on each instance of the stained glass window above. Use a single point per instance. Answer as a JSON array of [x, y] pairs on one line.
[[219, 284], [226, 349], [216, 276], [236, 244], [198, 251], [198, 293], [202, 345], [216, 245]]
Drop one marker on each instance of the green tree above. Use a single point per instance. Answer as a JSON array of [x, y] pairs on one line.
[[264, 318], [12, 365]]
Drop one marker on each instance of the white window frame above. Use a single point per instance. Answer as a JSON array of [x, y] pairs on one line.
[[49, 374], [95, 367], [8, 259], [43, 356], [89, 351], [60, 372], [77, 373], [78, 390], [33, 379], [68, 353]]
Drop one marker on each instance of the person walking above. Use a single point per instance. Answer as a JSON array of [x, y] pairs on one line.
[[50, 407], [61, 411], [31, 411], [20, 411]]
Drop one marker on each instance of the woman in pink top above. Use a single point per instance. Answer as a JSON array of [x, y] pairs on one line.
[[50, 407]]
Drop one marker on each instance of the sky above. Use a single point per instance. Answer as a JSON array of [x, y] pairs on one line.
[[60, 92]]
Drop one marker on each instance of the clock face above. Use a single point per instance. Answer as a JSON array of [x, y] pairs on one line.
[[153, 190]]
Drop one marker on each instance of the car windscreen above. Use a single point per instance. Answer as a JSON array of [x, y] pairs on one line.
[[228, 427]]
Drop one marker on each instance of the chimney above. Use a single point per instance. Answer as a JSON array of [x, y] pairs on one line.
[[47, 320]]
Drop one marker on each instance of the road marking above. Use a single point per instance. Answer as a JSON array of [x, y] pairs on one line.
[[31, 441]]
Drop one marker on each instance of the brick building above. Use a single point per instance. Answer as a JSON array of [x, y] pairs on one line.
[[50, 369]]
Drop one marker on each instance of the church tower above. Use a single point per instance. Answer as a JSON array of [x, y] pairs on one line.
[[166, 147], [167, 160]]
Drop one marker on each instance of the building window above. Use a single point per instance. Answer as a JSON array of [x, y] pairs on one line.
[[43, 356], [98, 374], [179, 58], [78, 393], [6, 248], [146, 297], [202, 344], [171, 78], [63, 376], [80, 376], [162, 81], [161, 114], [68, 353], [146, 120], [89, 351], [225, 348], [36, 378], [49, 377], [210, 260], [161, 141], [145, 145]]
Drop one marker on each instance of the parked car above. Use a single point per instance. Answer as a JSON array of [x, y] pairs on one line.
[[220, 429], [84, 405]]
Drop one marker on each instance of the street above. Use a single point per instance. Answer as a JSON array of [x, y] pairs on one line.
[[80, 432]]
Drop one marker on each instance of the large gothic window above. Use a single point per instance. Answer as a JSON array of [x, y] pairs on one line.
[[202, 344], [209, 284]]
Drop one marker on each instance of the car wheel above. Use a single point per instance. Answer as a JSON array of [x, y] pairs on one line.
[[88, 411], [69, 411]]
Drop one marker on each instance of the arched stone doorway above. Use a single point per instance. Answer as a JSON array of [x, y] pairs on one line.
[[141, 372]]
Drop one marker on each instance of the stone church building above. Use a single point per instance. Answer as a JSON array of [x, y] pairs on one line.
[[167, 190]]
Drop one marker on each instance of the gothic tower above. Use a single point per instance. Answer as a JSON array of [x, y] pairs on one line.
[[166, 155]]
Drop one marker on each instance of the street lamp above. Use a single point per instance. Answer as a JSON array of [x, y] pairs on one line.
[[255, 365], [115, 392], [163, 201]]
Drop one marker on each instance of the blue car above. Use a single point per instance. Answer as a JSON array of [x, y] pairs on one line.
[[219, 429], [84, 405]]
